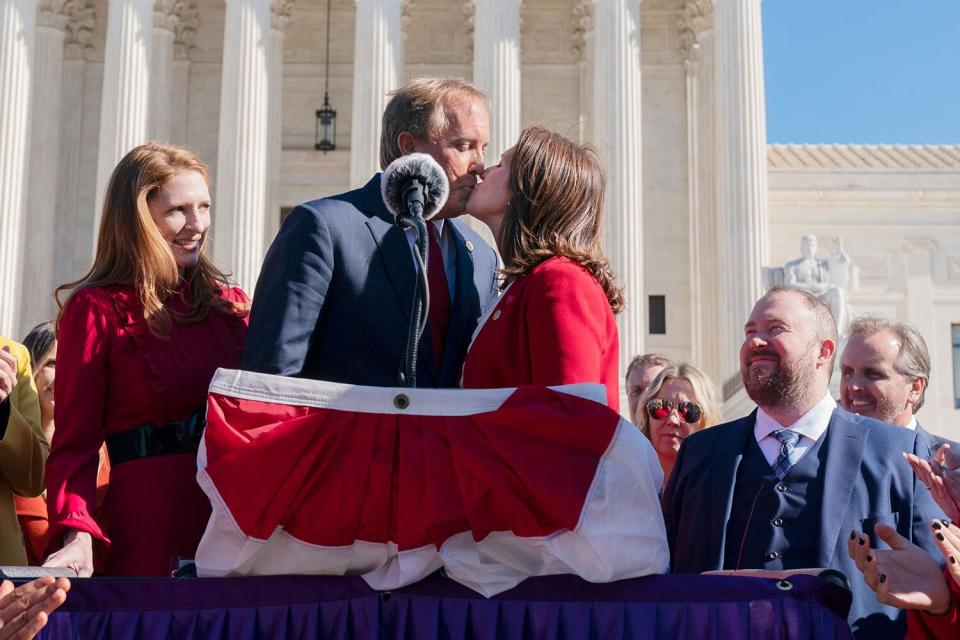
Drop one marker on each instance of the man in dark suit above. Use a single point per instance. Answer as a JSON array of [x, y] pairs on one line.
[[884, 373], [334, 295], [784, 487]]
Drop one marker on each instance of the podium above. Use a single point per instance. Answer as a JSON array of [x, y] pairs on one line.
[[543, 608]]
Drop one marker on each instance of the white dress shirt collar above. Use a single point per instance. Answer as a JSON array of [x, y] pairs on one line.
[[810, 425]]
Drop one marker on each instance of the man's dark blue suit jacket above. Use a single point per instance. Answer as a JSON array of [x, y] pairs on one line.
[[334, 296], [866, 481]]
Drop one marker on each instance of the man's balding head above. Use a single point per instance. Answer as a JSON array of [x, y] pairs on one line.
[[786, 359]]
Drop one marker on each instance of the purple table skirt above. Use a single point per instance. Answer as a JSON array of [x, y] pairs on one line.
[[695, 607]]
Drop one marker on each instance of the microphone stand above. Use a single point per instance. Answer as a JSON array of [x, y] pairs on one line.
[[421, 293]]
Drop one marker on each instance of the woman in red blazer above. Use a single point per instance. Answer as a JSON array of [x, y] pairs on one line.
[[554, 321]]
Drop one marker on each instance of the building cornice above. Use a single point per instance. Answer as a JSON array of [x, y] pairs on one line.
[[912, 157]]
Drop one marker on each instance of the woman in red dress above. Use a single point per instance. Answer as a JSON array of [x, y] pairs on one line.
[[140, 337], [554, 321]]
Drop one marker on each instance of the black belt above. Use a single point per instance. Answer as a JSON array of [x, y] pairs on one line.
[[148, 441]]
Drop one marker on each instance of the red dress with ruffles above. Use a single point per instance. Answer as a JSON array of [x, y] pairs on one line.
[[113, 375]]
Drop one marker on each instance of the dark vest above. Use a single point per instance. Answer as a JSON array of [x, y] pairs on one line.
[[775, 524]]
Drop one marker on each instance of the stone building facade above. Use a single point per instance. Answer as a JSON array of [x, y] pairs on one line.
[[670, 91]]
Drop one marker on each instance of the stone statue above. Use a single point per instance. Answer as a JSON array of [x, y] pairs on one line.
[[826, 279]]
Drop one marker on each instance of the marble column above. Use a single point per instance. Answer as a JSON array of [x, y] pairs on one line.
[[160, 114], [742, 216], [125, 101], [496, 69], [36, 301], [17, 33], [75, 172], [377, 70], [240, 205], [185, 33], [280, 17], [583, 44], [617, 117], [697, 46], [919, 309]]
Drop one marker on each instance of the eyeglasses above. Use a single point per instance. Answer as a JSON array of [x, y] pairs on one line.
[[689, 412]]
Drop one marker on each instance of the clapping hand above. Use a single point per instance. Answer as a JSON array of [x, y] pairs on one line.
[[8, 373], [24, 609], [904, 576], [941, 474]]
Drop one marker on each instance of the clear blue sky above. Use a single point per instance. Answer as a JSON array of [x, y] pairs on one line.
[[862, 71]]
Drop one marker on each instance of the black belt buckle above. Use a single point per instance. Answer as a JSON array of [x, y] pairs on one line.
[[149, 441]]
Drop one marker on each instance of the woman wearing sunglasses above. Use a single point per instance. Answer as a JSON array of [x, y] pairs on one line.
[[679, 401]]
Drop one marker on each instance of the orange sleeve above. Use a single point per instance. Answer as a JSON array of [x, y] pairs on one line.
[[32, 515]]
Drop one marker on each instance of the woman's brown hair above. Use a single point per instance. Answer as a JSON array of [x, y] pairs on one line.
[[131, 250], [556, 208]]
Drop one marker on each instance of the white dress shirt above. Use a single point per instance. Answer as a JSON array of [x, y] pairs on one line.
[[912, 425], [810, 426]]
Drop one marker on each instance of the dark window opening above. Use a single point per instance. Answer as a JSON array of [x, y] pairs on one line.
[[955, 335], [657, 320]]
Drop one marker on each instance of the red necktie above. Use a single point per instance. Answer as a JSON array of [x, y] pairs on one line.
[[439, 314]]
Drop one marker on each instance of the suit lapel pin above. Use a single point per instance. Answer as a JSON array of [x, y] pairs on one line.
[[496, 314]]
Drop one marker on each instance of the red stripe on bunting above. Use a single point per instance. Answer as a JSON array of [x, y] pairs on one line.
[[332, 477]]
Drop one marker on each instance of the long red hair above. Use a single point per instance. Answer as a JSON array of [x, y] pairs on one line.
[[131, 250]]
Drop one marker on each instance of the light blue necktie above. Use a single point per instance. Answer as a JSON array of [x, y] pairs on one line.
[[788, 454]]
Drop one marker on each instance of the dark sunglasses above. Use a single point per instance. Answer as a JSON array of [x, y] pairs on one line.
[[689, 412]]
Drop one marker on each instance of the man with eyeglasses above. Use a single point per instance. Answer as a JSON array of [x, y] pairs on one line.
[[785, 487]]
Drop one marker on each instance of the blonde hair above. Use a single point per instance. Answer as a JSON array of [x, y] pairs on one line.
[[419, 108], [704, 393], [556, 209], [131, 250]]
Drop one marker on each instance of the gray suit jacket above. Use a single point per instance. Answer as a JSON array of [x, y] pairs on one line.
[[866, 481], [334, 296]]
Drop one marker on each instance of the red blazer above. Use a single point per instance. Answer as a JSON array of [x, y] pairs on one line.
[[552, 326]]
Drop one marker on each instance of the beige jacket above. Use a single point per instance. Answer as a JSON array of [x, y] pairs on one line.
[[23, 454]]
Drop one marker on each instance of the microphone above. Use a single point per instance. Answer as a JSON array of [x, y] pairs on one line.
[[414, 185]]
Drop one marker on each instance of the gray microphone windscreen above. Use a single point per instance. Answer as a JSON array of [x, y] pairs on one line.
[[398, 175]]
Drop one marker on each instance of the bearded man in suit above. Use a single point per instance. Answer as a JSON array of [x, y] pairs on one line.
[[785, 487]]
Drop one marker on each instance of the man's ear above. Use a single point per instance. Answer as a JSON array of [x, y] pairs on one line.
[[828, 348], [916, 390], [406, 142]]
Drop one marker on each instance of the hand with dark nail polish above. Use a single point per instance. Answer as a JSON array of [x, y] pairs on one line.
[[910, 577]]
